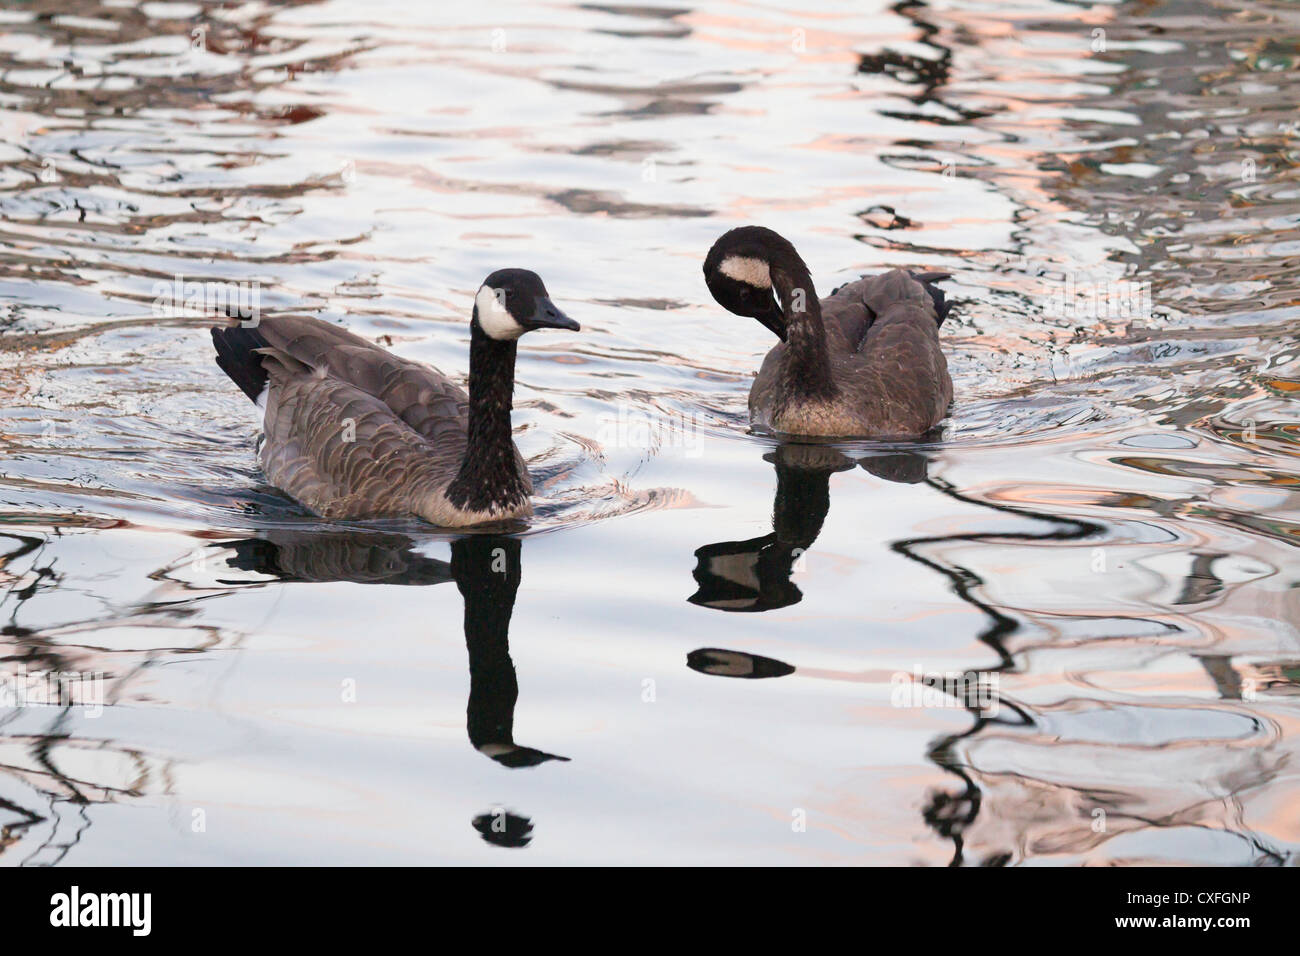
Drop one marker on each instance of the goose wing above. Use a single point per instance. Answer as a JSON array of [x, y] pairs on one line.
[[421, 397], [845, 314], [853, 308], [900, 371], [351, 430], [343, 452]]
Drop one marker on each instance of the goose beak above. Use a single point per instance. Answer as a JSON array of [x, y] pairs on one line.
[[548, 316], [773, 321]]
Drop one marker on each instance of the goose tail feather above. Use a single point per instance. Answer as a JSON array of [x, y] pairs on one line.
[[237, 355], [284, 360], [941, 304]]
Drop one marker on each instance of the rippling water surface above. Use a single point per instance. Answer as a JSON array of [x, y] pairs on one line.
[[1105, 531]]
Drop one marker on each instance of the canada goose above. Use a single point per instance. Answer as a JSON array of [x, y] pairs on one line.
[[864, 362], [353, 431]]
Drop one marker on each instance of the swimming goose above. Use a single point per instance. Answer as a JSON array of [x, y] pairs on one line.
[[353, 431], [864, 362]]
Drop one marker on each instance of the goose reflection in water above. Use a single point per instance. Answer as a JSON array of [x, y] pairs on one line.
[[487, 570], [754, 575]]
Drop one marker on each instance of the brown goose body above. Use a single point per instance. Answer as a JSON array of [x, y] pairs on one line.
[[891, 377], [352, 431], [864, 362]]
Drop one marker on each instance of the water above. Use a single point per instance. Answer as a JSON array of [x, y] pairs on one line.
[[1103, 536]]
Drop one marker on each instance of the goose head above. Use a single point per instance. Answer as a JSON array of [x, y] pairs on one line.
[[492, 483], [740, 271], [514, 301]]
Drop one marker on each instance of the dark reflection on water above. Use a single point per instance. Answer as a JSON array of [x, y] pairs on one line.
[[1103, 533], [754, 575], [487, 571], [42, 827]]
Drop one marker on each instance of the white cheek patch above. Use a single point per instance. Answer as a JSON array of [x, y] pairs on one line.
[[750, 271], [493, 317], [741, 569]]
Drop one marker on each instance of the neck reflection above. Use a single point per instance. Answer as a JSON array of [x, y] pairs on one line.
[[487, 570], [755, 575]]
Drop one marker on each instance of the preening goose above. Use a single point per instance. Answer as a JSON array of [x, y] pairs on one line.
[[353, 431], [864, 362]]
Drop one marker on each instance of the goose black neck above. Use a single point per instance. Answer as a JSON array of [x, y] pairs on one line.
[[489, 476], [808, 364]]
